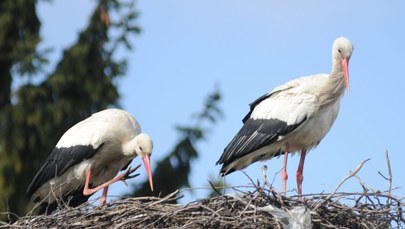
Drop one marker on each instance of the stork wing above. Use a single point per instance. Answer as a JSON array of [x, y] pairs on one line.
[[272, 117], [58, 162]]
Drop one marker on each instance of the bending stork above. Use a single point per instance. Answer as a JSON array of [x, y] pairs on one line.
[[88, 156]]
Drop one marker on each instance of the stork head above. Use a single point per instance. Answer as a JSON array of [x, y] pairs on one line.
[[143, 148], [341, 52]]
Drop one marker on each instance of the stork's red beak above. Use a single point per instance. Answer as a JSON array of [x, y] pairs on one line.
[[146, 162], [345, 66]]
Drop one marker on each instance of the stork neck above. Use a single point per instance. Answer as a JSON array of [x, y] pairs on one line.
[[128, 148], [334, 86], [336, 78]]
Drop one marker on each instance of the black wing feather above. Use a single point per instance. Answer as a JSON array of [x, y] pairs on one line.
[[126, 166], [58, 162], [254, 104], [255, 134]]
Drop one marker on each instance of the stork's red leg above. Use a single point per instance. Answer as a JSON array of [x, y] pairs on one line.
[[300, 176], [89, 191], [284, 175], [103, 197]]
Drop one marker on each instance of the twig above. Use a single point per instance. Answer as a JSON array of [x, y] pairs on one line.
[[351, 174], [387, 158], [214, 188], [164, 198], [264, 174], [389, 178], [251, 180]]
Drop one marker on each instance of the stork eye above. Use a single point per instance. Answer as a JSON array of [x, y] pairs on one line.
[[339, 51], [140, 147]]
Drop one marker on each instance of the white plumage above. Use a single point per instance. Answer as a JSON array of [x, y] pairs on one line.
[[292, 117], [100, 126], [88, 156]]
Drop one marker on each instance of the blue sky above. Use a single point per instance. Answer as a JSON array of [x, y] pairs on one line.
[[247, 48]]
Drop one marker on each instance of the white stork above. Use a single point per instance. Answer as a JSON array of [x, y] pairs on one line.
[[293, 117], [88, 156]]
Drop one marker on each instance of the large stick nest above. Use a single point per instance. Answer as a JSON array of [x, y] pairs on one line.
[[259, 207], [241, 210]]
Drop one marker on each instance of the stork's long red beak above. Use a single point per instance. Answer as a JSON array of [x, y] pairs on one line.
[[345, 66], [146, 162]]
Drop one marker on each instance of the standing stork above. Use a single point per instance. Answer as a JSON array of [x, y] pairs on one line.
[[293, 117], [88, 156]]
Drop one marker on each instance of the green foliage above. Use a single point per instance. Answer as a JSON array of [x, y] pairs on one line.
[[82, 83], [19, 36], [177, 163]]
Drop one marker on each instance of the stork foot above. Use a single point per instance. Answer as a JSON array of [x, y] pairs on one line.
[[127, 175]]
